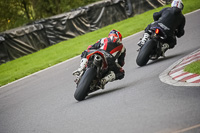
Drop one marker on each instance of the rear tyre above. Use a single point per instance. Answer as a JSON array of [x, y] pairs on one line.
[[145, 52], [84, 84]]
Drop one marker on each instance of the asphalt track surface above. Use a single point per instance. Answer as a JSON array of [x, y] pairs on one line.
[[140, 103]]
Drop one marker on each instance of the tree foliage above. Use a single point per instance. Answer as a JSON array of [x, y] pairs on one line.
[[15, 13]]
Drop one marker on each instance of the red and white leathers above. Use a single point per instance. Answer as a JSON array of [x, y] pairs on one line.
[[117, 50], [112, 45]]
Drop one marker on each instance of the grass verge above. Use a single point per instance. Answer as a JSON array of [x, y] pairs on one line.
[[193, 67], [62, 51]]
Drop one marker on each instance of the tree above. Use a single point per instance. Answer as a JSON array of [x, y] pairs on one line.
[[15, 13]]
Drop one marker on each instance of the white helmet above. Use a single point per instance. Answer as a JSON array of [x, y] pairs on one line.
[[178, 4]]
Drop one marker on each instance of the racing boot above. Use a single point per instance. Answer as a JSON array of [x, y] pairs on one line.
[[82, 66], [142, 41], [164, 48], [108, 78]]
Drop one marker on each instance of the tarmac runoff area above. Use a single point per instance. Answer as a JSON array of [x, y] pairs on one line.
[[175, 74]]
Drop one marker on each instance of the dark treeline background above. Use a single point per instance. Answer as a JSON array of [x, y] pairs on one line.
[[15, 13]]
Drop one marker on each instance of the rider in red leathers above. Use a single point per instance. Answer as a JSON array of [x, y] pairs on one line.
[[113, 45]]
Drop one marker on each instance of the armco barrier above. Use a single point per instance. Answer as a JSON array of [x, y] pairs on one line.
[[46, 32]]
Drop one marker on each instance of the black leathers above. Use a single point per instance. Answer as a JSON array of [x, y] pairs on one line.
[[172, 18], [172, 21]]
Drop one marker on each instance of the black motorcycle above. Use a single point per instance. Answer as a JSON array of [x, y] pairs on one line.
[[152, 49], [89, 79]]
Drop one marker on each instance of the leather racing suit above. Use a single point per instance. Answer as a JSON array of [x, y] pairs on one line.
[[117, 51], [172, 21]]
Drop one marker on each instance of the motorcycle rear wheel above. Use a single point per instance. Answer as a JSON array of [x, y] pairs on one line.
[[84, 84], [145, 52]]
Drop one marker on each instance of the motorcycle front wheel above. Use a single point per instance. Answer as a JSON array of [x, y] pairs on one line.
[[145, 52], [84, 84]]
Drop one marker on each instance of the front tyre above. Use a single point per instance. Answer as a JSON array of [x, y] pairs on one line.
[[84, 84], [145, 52]]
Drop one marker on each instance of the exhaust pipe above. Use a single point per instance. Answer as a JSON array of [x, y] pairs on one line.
[[97, 60]]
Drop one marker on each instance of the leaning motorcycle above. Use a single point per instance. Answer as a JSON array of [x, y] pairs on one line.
[[89, 79], [152, 49]]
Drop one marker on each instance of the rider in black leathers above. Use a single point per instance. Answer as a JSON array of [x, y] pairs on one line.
[[171, 20]]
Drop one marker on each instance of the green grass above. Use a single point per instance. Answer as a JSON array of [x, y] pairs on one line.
[[193, 67], [62, 51]]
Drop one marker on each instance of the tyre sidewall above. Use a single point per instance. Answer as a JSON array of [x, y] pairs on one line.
[[84, 84], [145, 52]]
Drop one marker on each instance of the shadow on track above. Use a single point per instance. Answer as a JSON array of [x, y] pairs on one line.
[[165, 58], [172, 56], [104, 92]]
